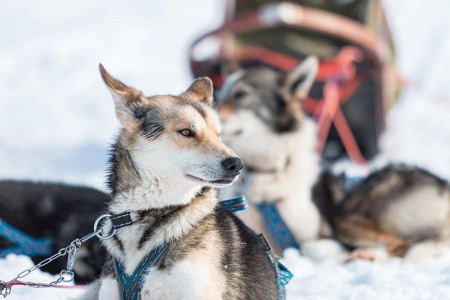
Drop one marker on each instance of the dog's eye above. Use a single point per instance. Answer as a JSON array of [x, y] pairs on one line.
[[186, 132], [239, 94]]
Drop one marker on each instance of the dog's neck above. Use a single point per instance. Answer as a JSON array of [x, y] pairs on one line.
[[158, 226], [151, 194]]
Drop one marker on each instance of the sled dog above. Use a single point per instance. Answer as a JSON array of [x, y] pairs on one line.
[[165, 167], [59, 213], [399, 210], [264, 122]]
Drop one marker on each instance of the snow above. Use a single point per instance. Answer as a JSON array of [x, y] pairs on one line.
[[56, 117]]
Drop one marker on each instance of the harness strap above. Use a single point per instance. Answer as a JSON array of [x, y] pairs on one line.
[[235, 204], [284, 276], [131, 285], [25, 244], [276, 226]]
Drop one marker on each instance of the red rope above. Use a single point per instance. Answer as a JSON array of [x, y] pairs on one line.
[[330, 112]]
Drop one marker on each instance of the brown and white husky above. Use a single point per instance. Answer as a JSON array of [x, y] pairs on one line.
[[165, 167]]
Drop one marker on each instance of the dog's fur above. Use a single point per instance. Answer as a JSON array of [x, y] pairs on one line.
[[59, 211], [263, 121], [165, 166], [400, 210]]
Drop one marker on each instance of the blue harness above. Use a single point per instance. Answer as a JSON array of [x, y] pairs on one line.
[[276, 226], [25, 244], [130, 286]]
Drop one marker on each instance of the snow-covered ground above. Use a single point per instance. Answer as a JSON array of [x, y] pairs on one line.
[[56, 117]]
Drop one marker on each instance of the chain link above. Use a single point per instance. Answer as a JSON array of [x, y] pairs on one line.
[[65, 275]]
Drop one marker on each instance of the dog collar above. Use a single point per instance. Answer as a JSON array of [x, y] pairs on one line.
[[121, 220], [232, 205]]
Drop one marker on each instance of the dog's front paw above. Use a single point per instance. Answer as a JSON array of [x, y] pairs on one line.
[[369, 254], [322, 249]]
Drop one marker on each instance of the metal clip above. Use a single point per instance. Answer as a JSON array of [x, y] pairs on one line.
[[96, 229], [66, 275], [73, 248]]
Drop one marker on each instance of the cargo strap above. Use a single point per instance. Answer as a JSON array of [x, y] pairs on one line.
[[24, 244]]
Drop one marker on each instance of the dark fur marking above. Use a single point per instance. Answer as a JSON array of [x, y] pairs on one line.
[[118, 243], [285, 118], [153, 124], [155, 219], [108, 268], [266, 84], [200, 109], [139, 112], [121, 163], [152, 130], [296, 83], [241, 258]]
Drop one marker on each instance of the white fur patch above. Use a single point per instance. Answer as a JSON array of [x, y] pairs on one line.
[[109, 289], [264, 149], [422, 210], [319, 250], [191, 278], [426, 250]]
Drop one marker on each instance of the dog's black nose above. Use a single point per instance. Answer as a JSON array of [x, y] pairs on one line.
[[232, 164]]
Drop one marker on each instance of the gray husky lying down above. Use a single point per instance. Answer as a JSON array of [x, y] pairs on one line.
[[399, 210]]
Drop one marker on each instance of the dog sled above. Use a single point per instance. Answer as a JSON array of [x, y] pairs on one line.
[[351, 38]]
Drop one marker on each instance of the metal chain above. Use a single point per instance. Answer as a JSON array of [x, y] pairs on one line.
[[66, 275]]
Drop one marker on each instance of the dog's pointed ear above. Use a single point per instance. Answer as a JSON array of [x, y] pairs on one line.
[[128, 101], [299, 81], [200, 90]]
